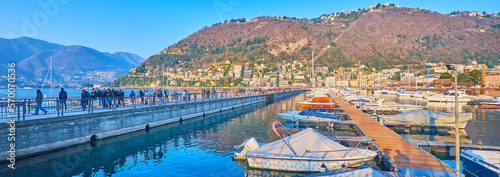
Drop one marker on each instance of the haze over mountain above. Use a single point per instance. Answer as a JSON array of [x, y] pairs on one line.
[[71, 64], [379, 37]]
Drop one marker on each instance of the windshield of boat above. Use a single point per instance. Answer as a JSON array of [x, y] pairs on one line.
[[450, 94]]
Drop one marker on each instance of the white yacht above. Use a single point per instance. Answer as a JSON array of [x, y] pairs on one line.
[[449, 96]]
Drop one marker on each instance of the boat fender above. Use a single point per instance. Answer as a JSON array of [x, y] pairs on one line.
[[323, 168]]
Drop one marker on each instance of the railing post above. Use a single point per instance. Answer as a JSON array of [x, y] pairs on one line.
[[24, 110], [87, 103], [58, 106], [92, 105], [18, 112], [29, 106]]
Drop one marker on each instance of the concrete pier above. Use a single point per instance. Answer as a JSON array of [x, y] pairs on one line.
[[38, 136]]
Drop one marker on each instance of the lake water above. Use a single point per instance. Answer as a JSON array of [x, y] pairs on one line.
[[201, 146]]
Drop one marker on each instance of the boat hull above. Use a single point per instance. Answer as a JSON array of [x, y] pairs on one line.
[[447, 99], [316, 105], [490, 104], [477, 165], [293, 117], [303, 164]]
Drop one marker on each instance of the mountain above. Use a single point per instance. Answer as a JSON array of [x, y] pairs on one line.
[[20, 48], [71, 64], [381, 36]]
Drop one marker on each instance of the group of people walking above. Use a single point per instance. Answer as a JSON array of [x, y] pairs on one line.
[[207, 94], [110, 98]]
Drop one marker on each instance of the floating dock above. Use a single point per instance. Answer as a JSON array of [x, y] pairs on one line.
[[403, 155]]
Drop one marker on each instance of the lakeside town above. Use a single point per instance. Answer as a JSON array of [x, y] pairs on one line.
[[298, 74]]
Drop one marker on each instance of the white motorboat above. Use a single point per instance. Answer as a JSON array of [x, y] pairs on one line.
[[449, 96], [305, 151], [411, 94], [481, 162], [389, 106], [426, 117], [308, 116]]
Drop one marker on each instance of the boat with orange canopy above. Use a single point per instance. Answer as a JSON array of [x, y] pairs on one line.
[[317, 103]]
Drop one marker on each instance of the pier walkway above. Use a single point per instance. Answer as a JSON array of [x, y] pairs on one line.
[[406, 157]]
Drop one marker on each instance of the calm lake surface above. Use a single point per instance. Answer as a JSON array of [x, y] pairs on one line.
[[204, 146]]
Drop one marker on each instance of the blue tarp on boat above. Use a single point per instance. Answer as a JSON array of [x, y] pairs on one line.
[[361, 100], [317, 114]]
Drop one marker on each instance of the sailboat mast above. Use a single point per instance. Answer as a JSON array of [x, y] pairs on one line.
[[312, 72], [51, 81]]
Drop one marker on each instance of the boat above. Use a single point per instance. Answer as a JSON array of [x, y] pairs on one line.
[[410, 94], [426, 117], [391, 107], [490, 104], [495, 103], [305, 151], [308, 116], [317, 102], [481, 162], [449, 96]]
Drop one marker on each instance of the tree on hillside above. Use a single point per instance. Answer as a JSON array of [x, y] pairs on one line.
[[445, 76]]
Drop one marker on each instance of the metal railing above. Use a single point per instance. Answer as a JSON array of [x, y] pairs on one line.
[[20, 109]]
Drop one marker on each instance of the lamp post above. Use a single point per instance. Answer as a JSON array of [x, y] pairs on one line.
[[457, 143]]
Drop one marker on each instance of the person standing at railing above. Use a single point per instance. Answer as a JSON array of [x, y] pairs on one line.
[[132, 97], [84, 99], [114, 93], [109, 99], [208, 93], [103, 97], [93, 96], [166, 95], [99, 97], [63, 96], [141, 94], [121, 97], [183, 93], [159, 94], [214, 93], [39, 99]]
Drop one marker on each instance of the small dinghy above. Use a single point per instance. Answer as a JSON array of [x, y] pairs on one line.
[[308, 116], [426, 117], [305, 151]]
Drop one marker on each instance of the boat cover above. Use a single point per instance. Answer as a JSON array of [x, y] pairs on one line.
[[306, 140], [317, 114], [422, 116]]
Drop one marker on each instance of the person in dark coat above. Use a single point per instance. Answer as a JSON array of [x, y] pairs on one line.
[[39, 99], [121, 98], [85, 96], [141, 94], [63, 96], [109, 98], [103, 97], [99, 97]]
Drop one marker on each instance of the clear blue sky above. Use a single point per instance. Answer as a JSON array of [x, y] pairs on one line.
[[146, 27]]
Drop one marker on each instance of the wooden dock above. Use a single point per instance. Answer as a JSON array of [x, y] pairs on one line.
[[406, 157]]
